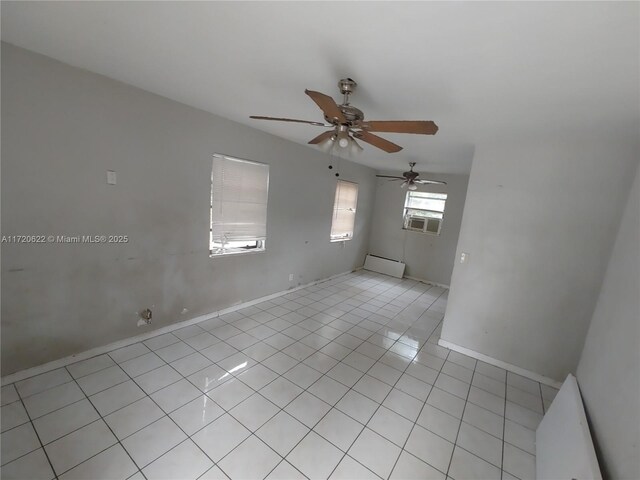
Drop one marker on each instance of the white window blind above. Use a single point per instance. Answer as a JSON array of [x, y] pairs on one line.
[[344, 211], [239, 193]]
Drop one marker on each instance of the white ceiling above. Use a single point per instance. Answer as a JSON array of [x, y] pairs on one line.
[[483, 71]]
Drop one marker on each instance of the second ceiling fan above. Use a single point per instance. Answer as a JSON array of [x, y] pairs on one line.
[[348, 123]]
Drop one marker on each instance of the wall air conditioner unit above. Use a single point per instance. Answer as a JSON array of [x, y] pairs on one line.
[[424, 224]]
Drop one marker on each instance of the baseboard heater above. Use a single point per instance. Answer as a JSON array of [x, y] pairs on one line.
[[564, 448], [387, 266]]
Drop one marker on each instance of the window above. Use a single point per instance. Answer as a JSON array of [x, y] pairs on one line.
[[239, 192], [344, 211], [424, 211]]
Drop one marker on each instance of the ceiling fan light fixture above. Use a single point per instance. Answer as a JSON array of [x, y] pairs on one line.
[[412, 186]]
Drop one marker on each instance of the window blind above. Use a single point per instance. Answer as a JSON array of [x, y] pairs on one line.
[[239, 192], [344, 210]]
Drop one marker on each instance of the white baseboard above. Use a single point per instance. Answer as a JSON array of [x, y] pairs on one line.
[[499, 363], [422, 280], [63, 362]]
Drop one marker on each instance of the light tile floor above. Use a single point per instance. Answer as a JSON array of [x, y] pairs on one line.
[[343, 379]]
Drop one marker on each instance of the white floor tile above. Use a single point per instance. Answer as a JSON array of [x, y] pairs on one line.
[[220, 437], [308, 409], [480, 443], [345, 374], [190, 364], [299, 351], [12, 415], [280, 362], [483, 419], [489, 384], [113, 463], [281, 391], [209, 378], [328, 389], [349, 469], [56, 424], [302, 375], [315, 457], [282, 433], [214, 473], [373, 388], [161, 341], [8, 394], [321, 362], [17, 442], [153, 441], [43, 382], [91, 365], [385, 373], [491, 371], [522, 415], [202, 341], [188, 332], [134, 417], [251, 459], [259, 351], [414, 387], [68, 451], [142, 364], [114, 398], [378, 453], [410, 467], [156, 379], [446, 402], [520, 436], [57, 397], [33, 466], [339, 429], [254, 412], [218, 351], [127, 353], [257, 376], [522, 383], [465, 465], [196, 414], [185, 461], [519, 463], [101, 380], [285, 471], [390, 425], [524, 399], [237, 363], [175, 395], [357, 406], [403, 404], [452, 385], [230, 393], [430, 448]]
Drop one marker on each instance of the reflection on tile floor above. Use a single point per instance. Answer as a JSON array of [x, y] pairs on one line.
[[343, 379]]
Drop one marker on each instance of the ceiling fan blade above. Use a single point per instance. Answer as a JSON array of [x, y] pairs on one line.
[[390, 176], [327, 105], [322, 137], [376, 141], [434, 182], [425, 127], [257, 117]]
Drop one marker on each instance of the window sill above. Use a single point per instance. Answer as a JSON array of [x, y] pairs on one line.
[[336, 240], [233, 254]]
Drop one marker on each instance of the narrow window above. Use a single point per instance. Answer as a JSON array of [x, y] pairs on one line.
[[239, 193], [344, 211], [424, 212]]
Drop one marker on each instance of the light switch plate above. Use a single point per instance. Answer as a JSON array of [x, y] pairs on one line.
[[111, 177]]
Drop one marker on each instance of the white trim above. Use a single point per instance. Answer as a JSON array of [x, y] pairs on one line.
[[499, 363], [435, 284], [63, 362]]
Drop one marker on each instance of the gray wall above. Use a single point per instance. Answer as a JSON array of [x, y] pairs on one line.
[[609, 368], [539, 224], [62, 129], [428, 257]]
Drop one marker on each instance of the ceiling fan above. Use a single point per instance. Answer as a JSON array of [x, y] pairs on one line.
[[348, 124], [411, 178]]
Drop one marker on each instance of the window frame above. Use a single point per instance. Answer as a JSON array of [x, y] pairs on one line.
[[407, 215], [251, 246], [336, 208]]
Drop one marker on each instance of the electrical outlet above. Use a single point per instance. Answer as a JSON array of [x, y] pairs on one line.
[[111, 177], [291, 277]]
